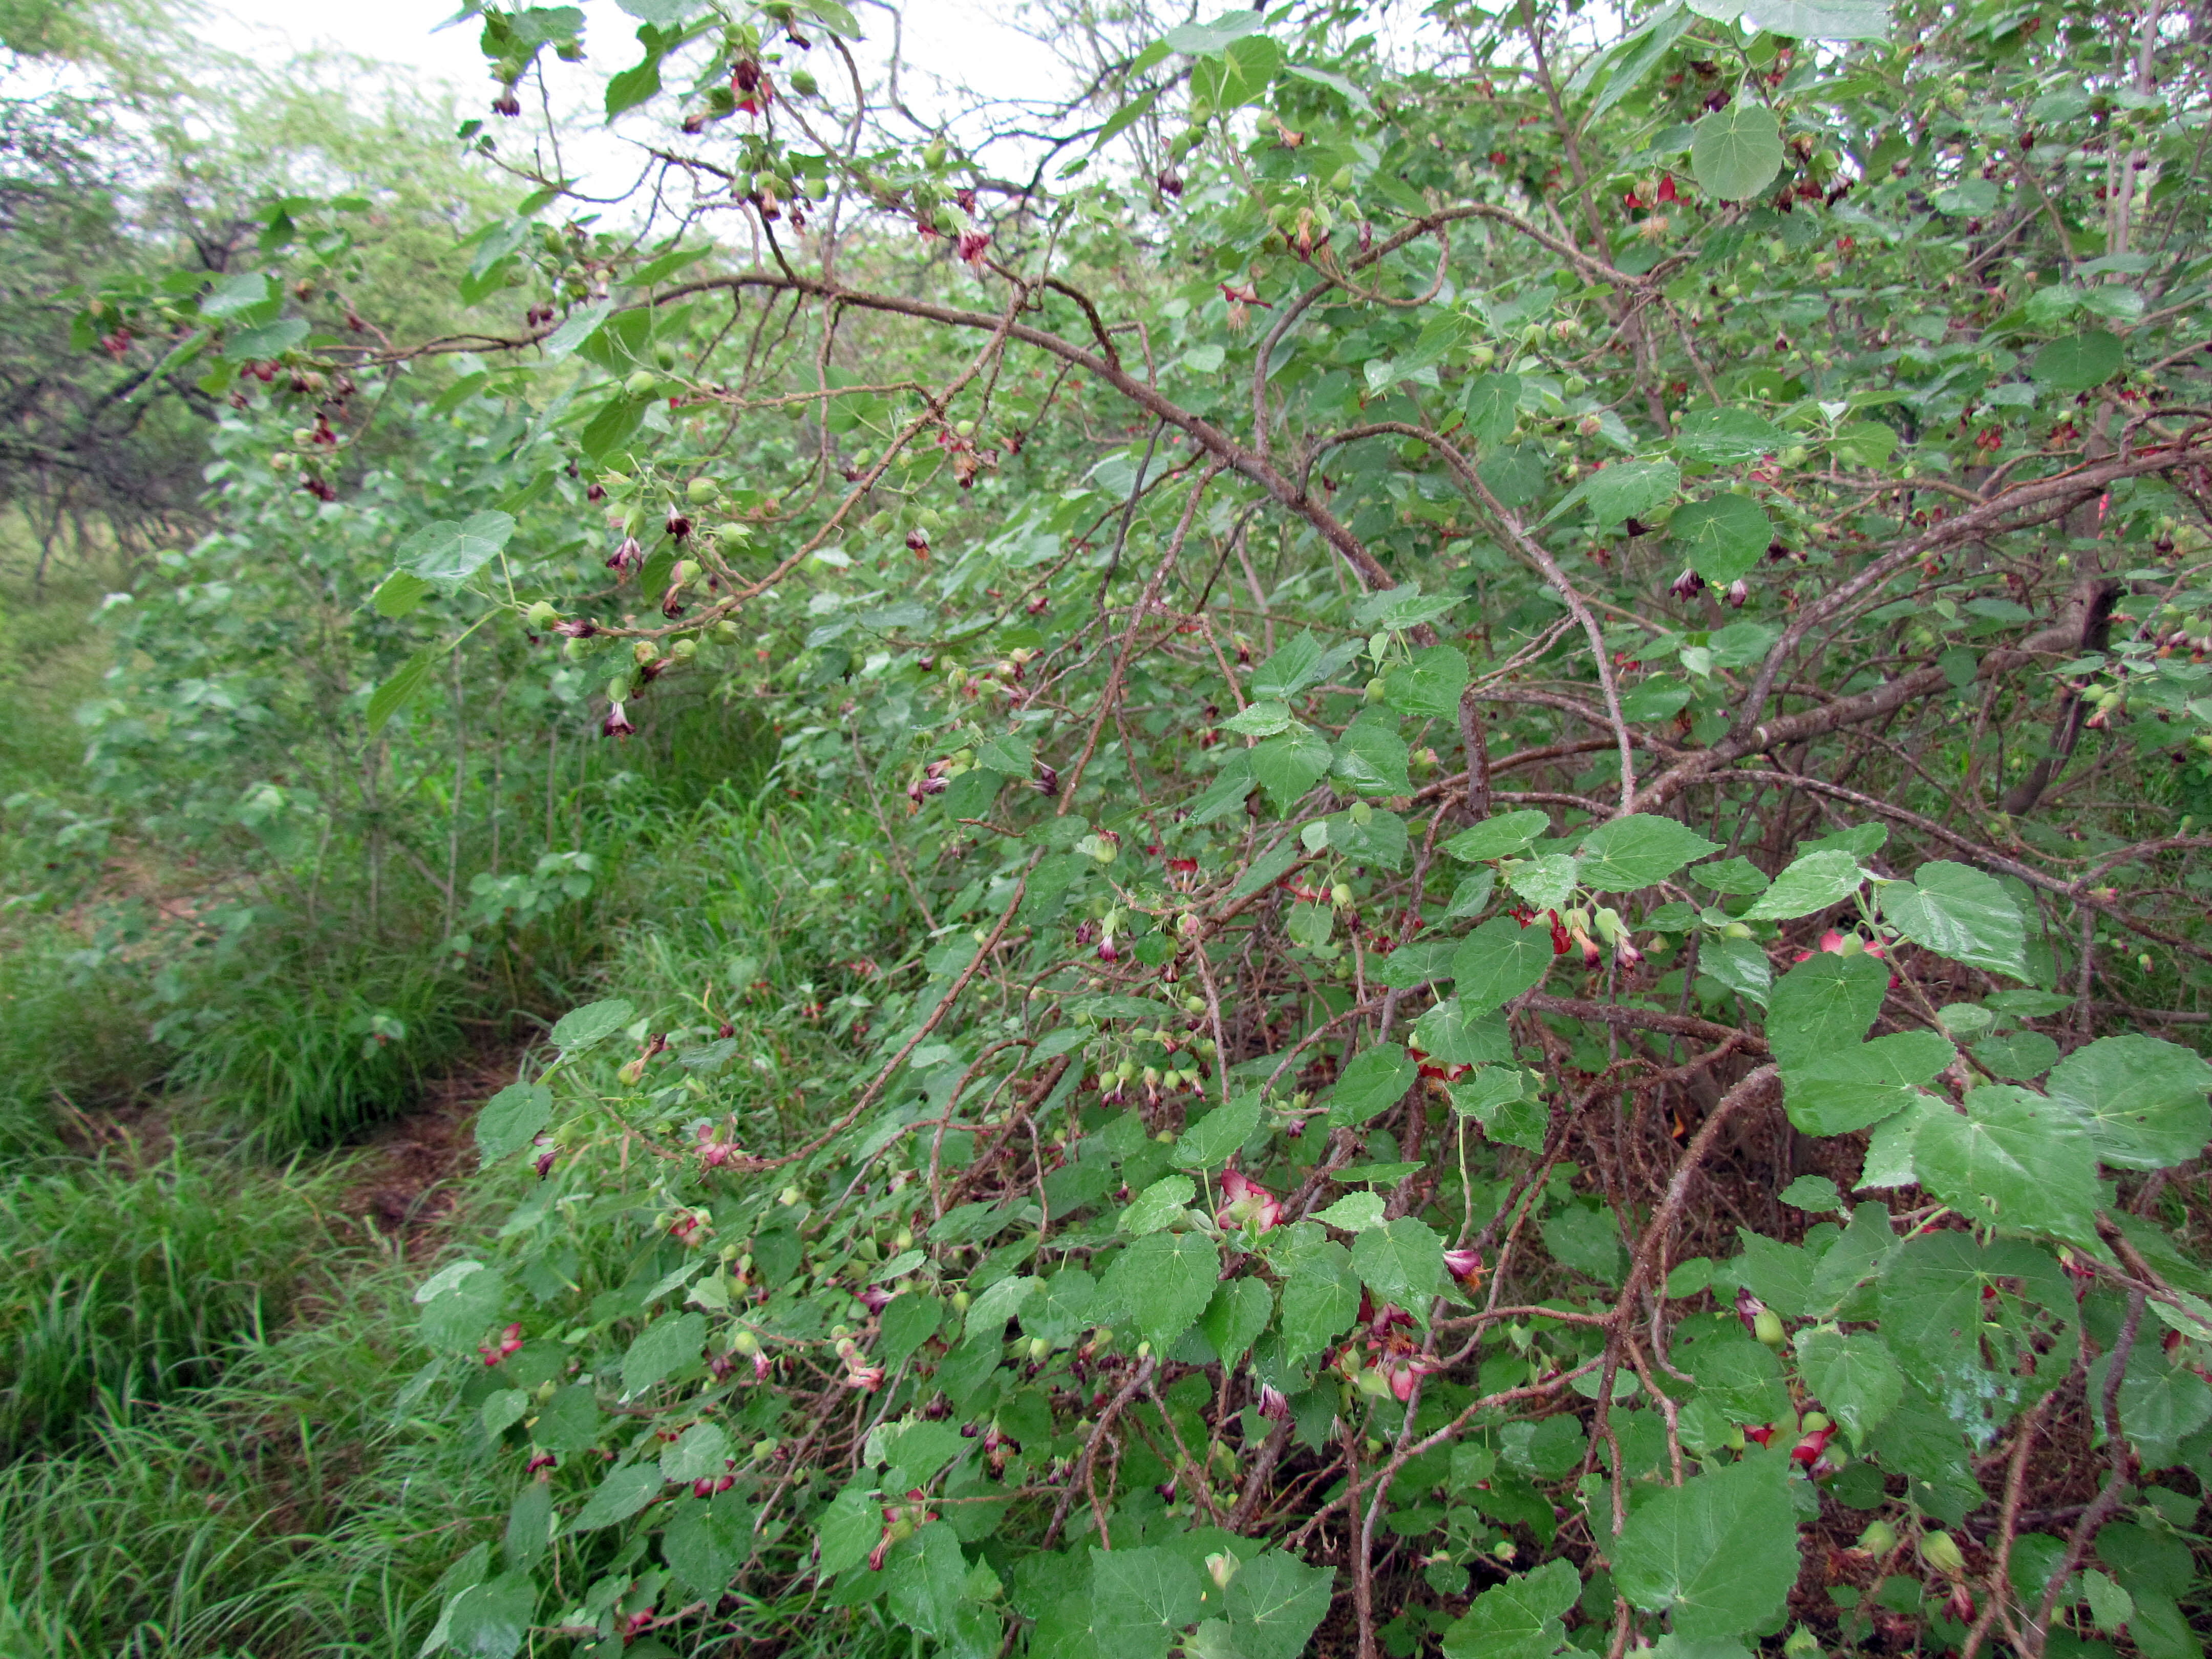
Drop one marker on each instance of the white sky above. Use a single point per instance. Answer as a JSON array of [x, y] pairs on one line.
[[958, 38], [944, 41]]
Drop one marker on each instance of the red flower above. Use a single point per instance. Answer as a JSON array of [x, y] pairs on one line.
[[970, 247], [1465, 1266], [1667, 191], [1246, 1202]]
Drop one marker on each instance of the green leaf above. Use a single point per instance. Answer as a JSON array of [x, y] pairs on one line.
[[2012, 1158], [666, 1346], [1259, 720], [1546, 882], [2161, 1405], [1728, 436], [1062, 1311], [622, 1494], [448, 552], [1355, 1212], [708, 1541], [2076, 364], [1626, 489], [1499, 961], [1741, 965], [1658, 39], [410, 677], [700, 1450], [1321, 1297], [1960, 913], [1635, 851], [1847, 1088], [1275, 1603], [1986, 1329], [580, 1028], [1587, 1239], [490, 1621], [1496, 1098], [1300, 664], [1411, 966], [510, 1119], [925, 1584], [1520, 1619], [1233, 1320], [909, 1320], [1449, 1035], [638, 84], [1824, 1004], [1493, 403], [1269, 867], [271, 340], [848, 1528], [1498, 837], [1215, 1137], [1736, 875], [1737, 150], [579, 325], [1237, 75], [1816, 1193], [1288, 765], [1722, 538], [1428, 687], [2142, 1100], [1402, 1262], [1813, 882], [1372, 758], [1863, 443], [1140, 1599], [1158, 1205], [240, 291], [399, 593], [1165, 1280], [1718, 1555], [617, 420], [1855, 1377], [1374, 1082]]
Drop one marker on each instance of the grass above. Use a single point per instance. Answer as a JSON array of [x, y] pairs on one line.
[[281, 1511], [306, 1055], [120, 1286]]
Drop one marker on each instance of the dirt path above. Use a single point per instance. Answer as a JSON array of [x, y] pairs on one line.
[[410, 1171]]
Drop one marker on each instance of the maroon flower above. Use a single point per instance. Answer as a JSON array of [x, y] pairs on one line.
[[617, 724], [970, 248], [627, 558], [1688, 585], [1274, 1405], [1465, 1266]]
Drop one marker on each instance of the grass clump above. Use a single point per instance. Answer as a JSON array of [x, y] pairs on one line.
[[121, 1286]]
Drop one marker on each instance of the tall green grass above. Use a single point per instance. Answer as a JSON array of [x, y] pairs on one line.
[[304, 1056], [119, 1286], [282, 1510]]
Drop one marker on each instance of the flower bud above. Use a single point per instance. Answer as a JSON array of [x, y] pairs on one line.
[[1880, 1538], [1940, 1551]]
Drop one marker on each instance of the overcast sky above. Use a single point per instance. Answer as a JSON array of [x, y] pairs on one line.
[[957, 39]]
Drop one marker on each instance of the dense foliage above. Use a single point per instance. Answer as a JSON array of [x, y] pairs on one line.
[[1513, 724]]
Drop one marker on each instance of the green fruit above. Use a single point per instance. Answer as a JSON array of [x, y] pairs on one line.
[[1940, 1551], [1879, 1538], [1767, 1327], [702, 490], [1814, 1422], [641, 384]]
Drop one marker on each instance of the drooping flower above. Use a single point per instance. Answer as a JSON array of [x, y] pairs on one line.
[[627, 558], [1274, 1403], [1465, 1266], [1246, 1202]]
